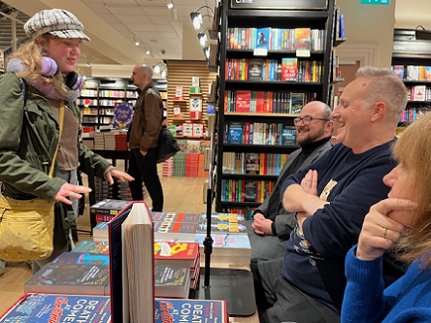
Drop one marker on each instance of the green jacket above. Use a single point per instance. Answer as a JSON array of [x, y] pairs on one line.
[[24, 159]]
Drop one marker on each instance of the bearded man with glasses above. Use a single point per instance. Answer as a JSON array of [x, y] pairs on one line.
[[271, 225]]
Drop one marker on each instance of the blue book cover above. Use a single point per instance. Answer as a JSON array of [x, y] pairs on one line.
[[34, 308], [190, 310], [84, 258], [263, 37]]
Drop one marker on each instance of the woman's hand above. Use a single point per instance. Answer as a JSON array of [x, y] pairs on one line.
[[380, 231], [70, 190], [122, 176]]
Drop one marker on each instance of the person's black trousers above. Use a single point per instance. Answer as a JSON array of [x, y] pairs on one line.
[[144, 168]]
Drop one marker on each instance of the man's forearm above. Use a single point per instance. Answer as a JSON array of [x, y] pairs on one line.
[[295, 199]]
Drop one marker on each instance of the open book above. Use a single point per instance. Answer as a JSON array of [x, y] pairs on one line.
[[131, 244]]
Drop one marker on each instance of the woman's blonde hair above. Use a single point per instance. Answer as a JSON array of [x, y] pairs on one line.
[[30, 54], [413, 149]]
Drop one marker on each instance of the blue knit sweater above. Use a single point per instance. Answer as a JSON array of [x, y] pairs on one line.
[[365, 299]]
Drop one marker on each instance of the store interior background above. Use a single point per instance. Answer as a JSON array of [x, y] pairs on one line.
[[115, 25]]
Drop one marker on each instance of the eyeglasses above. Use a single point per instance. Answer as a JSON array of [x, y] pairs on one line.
[[307, 120]]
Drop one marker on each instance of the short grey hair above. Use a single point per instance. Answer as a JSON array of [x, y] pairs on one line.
[[146, 70], [387, 87]]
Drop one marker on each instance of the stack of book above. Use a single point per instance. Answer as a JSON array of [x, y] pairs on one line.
[[179, 253], [168, 167], [106, 209]]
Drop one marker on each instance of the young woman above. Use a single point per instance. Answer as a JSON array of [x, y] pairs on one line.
[[402, 221], [41, 78]]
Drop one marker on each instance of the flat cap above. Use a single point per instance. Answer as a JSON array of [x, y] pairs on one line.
[[58, 22]]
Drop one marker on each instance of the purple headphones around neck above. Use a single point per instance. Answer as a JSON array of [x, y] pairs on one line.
[[48, 68]]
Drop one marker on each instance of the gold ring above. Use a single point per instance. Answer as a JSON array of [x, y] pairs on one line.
[[384, 233]]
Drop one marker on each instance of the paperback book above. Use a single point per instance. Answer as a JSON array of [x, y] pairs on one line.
[[79, 279], [172, 281], [39, 307], [190, 310]]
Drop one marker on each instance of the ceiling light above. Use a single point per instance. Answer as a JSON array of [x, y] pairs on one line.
[[207, 52], [170, 4], [203, 39], [197, 21], [148, 52], [136, 40]]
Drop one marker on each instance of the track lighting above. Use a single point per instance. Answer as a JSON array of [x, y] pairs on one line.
[[203, 39], [197, 17]]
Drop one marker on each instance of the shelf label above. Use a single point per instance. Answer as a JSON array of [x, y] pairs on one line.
[[260, 52], [376, 2], [303, 53]]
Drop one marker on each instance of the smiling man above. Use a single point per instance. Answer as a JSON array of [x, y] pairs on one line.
[[271, 224], [331, 202]]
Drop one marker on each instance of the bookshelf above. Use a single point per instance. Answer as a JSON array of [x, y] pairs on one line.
[[100, 95], [275, 56], [411, 61]]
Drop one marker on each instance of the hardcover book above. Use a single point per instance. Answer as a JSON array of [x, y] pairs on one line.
[[169, 231], [38, 307], [55, 278], [255, 69], [190, 310], [131, 244]]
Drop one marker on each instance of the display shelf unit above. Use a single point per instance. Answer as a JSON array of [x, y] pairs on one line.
[[272, 62], [99, 96], [411, 61]]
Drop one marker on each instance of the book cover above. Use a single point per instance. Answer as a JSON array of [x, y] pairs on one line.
[[252, 163], [75, 278], [190, 310], [263, 37], [167, 230], [296, 102], [122, 115], [108, 206], [303, 38], [255, 69], [288, 136], [176, 253], [289, 69], [224, 217], [37, 307], [250, 191], [172, 281], [81, 258], [175, 216], [222, 227], [91, 246]]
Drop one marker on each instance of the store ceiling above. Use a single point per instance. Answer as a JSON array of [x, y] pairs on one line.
[[115, 25]]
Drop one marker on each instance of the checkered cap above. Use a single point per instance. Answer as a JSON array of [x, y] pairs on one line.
[[58, 22]]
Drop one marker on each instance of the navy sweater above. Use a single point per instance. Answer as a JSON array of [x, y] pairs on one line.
[[314, 258]]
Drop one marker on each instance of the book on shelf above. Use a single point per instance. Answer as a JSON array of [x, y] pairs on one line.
[[255, 69], [288, 136], [289, 69], [252, 163], [296, 102], [84, 258], [79, 279], [172, 281], [42, 308], [302, 38], [131, 244], [263, 37], [190, 310]]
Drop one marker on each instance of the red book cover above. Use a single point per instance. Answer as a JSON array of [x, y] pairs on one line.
[[176, 253]]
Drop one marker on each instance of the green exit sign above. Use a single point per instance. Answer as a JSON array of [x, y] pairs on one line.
[[376, 2]]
